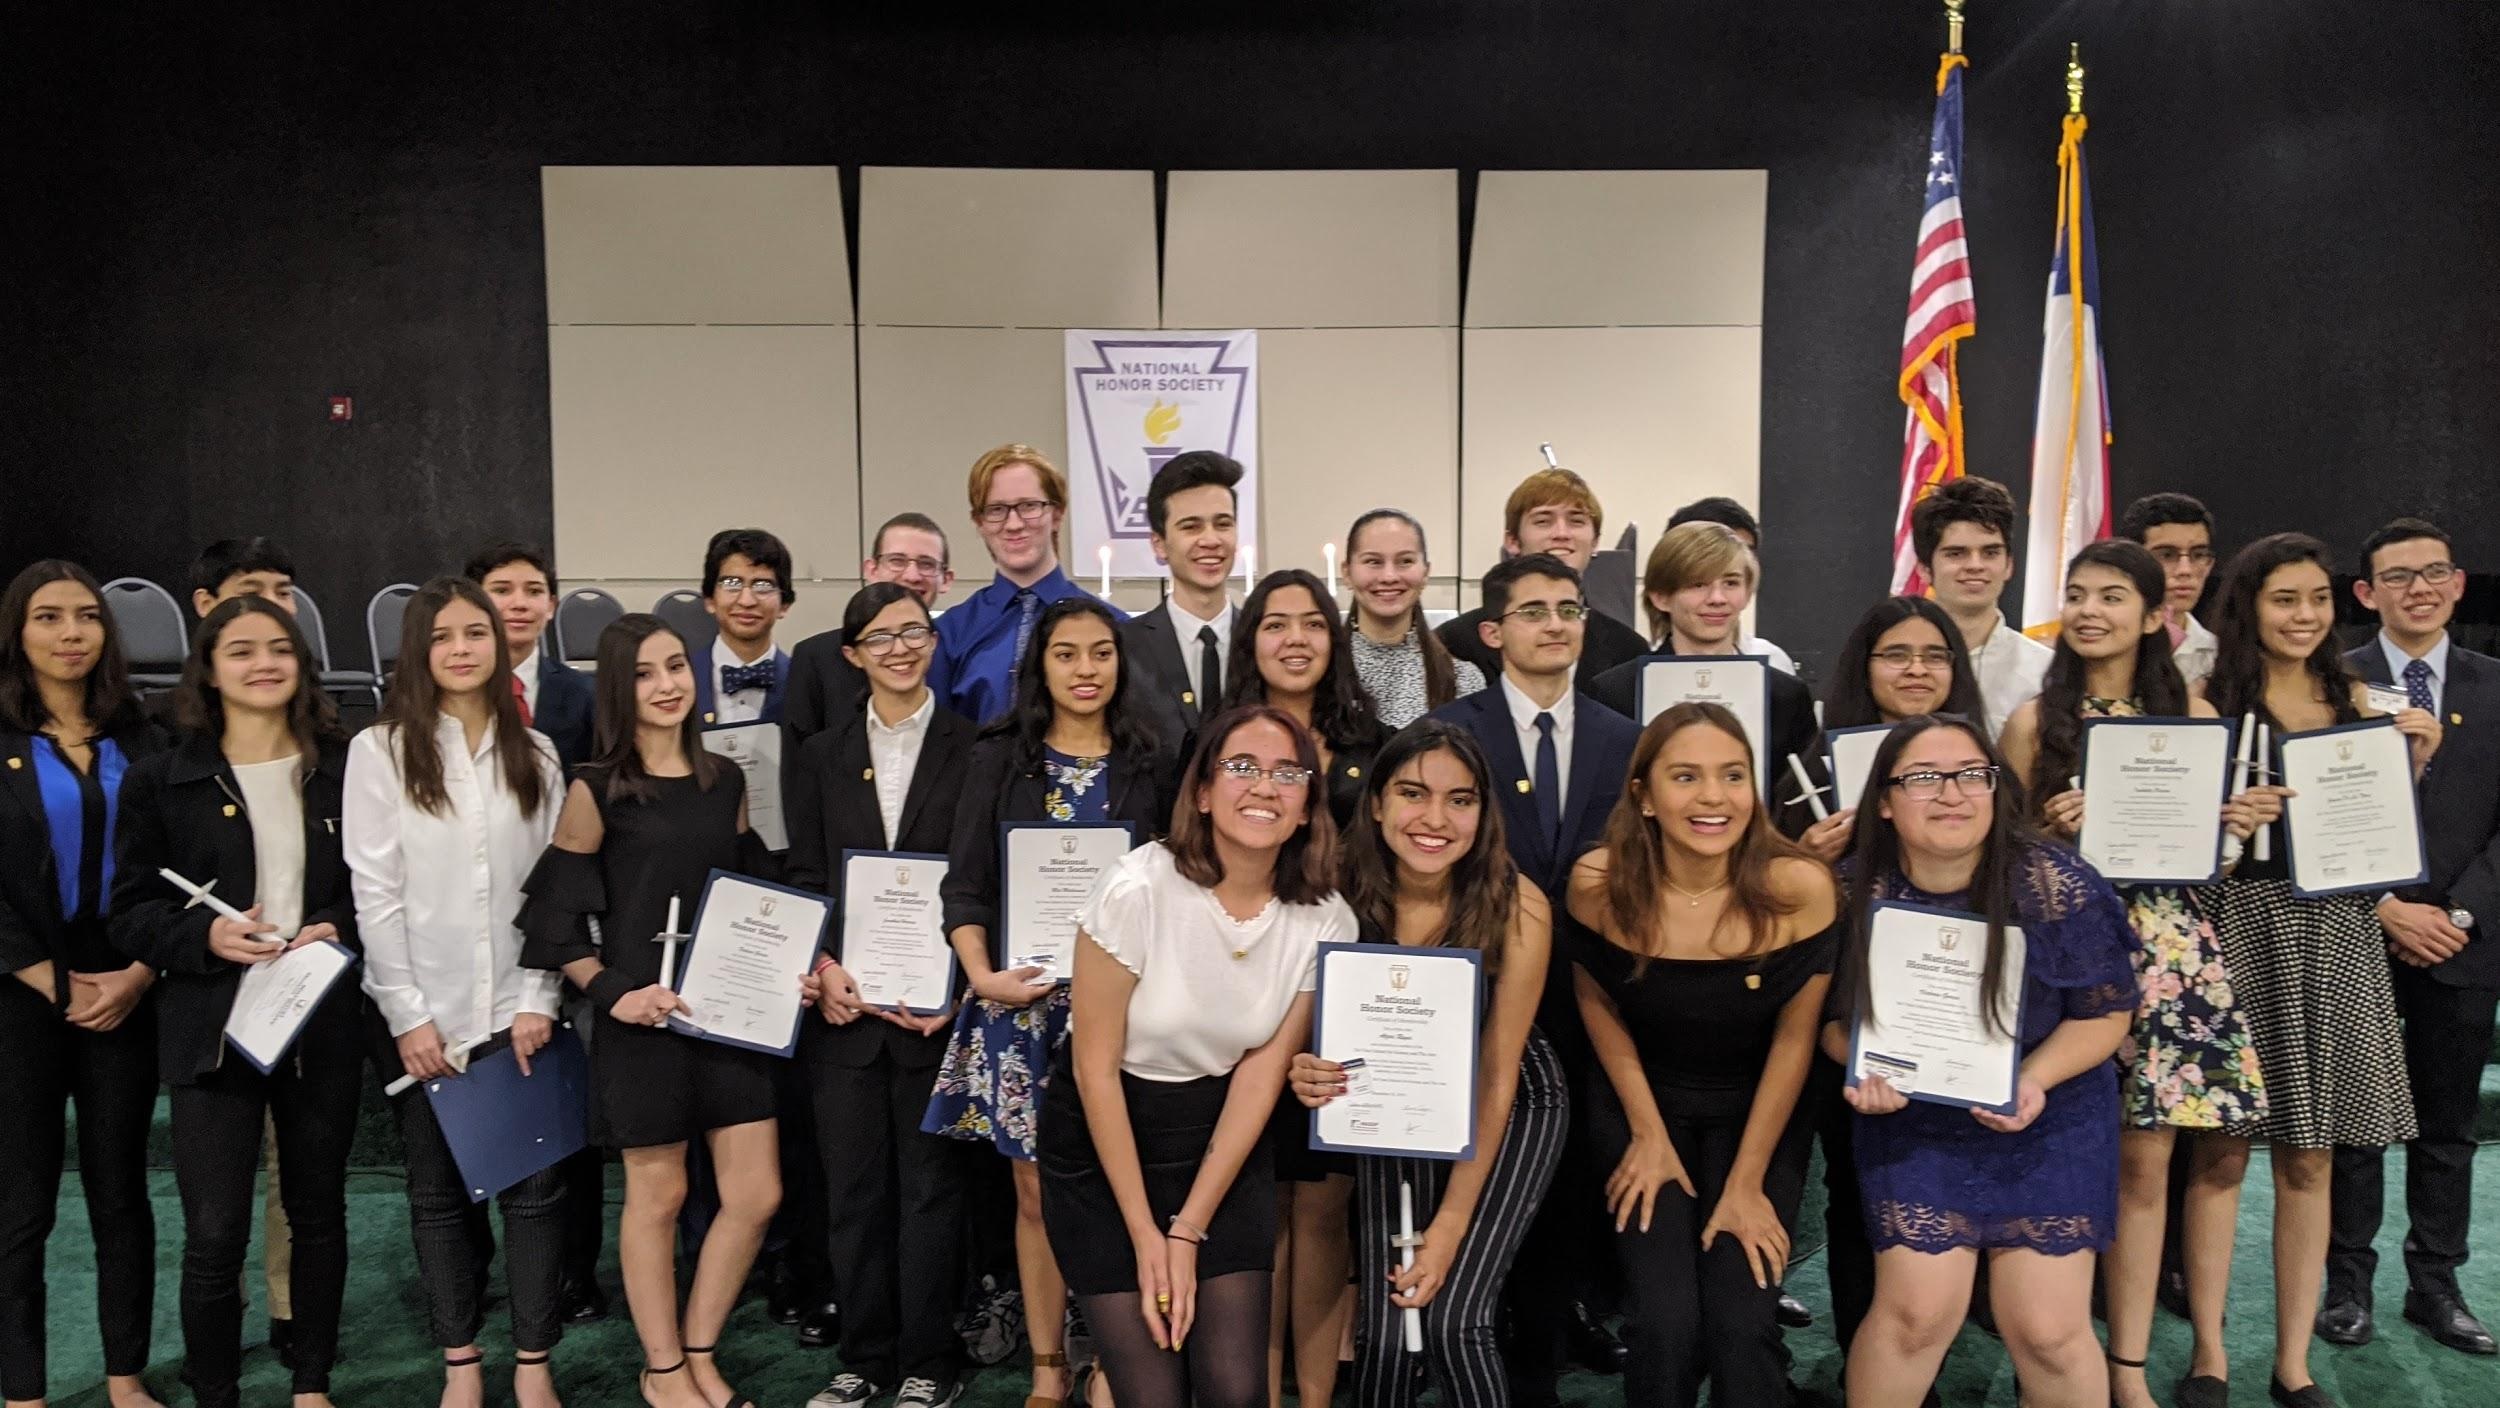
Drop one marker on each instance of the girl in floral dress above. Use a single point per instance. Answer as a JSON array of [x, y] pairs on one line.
[[2187, 1063]]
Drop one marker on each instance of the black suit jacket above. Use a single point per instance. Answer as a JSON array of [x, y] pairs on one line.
[[1605, 644], [2460, 793], [565, 704], [999, 789], [823, 689], [183, 809], [831, 805], [1156, 665], [1793, 730], [32, 927]]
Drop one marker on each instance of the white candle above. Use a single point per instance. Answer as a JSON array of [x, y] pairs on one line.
[[668, 947], [2265, 769], [2233, 845], [1812, 793], [1407, 1239], [1102, 555], [1546, 448], [1249, 564], [457, 1057], [1328, 551]]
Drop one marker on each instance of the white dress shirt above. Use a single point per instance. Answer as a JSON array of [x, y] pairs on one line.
[[1780, 659], [1185, 628], [437, 896], [894, 755], [1523, 712], [2010, 667], [2436, 657], [745, 706], [526, 671]]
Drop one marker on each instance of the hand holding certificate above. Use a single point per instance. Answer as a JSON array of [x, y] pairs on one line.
[[1926, 1031], [893, 940], [273, 1000], [1740, 683], [2156, 788], [1402, 1022], [756, 749], [753, 946], [2351, 821], [1047, 871]]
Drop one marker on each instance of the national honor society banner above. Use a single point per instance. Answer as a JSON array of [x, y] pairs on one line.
[[1135, 400]]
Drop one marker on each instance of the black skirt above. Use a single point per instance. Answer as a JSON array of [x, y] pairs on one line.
[[651, 1086], [1173, 1123]]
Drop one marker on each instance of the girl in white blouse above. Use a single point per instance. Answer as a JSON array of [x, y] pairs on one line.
[[1194, 969], [449, 801]]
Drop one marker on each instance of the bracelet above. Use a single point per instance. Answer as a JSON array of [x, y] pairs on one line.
[[1174, 1231]]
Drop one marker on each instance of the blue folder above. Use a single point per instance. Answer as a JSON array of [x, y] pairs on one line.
[[503, 1126]]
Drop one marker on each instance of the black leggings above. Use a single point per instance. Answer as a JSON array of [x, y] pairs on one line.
[[1222, 1364], [111, 1077]]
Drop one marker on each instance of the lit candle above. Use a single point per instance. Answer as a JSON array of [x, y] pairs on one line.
[[1103, 555], [1328, 551]]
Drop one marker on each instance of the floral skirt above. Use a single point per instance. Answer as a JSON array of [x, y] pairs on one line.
[[2188, 1061], [989, 1086]]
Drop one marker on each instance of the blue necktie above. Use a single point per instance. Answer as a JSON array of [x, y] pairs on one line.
[[2418, 686], [1028, 606], [1548, 781], [736, 679]]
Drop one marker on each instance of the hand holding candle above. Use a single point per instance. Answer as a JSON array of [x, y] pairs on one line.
[[2264, 846], [2231, 845], [1406, 1242]]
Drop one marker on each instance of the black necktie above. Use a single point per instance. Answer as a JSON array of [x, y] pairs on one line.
[[1210, 669], [1548, 781]]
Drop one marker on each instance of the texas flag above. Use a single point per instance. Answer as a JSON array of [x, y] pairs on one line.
[[2070, 432]]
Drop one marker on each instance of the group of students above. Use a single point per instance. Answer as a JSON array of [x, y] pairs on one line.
[[1675, 957]]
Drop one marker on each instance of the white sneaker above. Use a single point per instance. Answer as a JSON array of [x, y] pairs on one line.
[[848, 1391], [925, 1393]]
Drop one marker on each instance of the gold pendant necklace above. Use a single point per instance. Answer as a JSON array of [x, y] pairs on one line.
[[1693, 898]]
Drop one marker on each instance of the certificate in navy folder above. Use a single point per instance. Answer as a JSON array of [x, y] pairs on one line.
[[503, 1126]]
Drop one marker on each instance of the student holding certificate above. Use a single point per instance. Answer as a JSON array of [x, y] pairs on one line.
[[449, 801], [1703, 948], [1195, 962], [78, 1024], [644, 824], [884, 775], [1292, 655], [1427, 866], [2311, 974], [2187, 1064], [2034, 1191], [1903, 659], [247, 806], [1069, 749]]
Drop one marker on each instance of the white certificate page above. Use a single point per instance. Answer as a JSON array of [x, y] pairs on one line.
[[752, 944], [893, 932], [1046, 874], [1408, 1015], [2351, 819], [273, 1000], [1740, 683], [1853, 762], [1925, 1030], [2153, 793], [756, 749]]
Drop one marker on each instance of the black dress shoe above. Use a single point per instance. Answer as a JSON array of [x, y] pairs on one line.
[[2449, 1322], [2310, 1397], [2345, 1320], [820, 1326], [2202, 1391], [1591, 1345], [2171, 1293], [583, 1302], [786, 1300], [1793, 1313]]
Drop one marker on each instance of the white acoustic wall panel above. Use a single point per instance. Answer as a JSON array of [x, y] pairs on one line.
[[695, 244], [1311, 249], [1617, 249], [1354, 419], [965, 247], [1653, 418]]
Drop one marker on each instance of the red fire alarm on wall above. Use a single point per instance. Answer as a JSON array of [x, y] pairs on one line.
[[342, 408]]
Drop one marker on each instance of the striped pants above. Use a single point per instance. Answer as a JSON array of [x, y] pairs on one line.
[[1460, 1351]]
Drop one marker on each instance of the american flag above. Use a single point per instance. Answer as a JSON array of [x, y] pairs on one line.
[[2070, 432], [1941, 315]]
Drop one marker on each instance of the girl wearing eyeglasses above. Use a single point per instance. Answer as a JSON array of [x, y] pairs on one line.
[[1069, 750], [2035, 1191], [2311, 974], [1293, 656], [1195, 962], [2187, 1063]]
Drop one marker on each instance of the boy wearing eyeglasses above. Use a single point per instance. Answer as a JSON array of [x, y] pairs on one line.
[[746, 588], [1018, 499], [2178, 531], [825, 687]]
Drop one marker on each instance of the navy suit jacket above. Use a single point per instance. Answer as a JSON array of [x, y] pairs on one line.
[[2460, 793], [565, 706], [707, 677], [1601, 756]]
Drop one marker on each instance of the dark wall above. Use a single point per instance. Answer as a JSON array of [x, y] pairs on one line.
[[225, 218]]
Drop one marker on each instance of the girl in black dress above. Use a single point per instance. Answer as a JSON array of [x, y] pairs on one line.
[[646, 821], [78, 1024], [1290, 652], [249, 805], [1703, 948]]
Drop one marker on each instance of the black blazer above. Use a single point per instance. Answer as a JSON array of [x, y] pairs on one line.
[[1157, 667], [184, 809], [2460, 794], [998, 789], [1601, 756], [822, 689], [565, 706], [1793, 730], [832, 807], [32, 927], [1604, 644]]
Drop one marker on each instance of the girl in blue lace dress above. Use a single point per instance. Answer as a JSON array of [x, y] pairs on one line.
[[2035, 1190]]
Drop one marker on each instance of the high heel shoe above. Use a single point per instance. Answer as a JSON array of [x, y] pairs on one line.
[[1046, 1359]]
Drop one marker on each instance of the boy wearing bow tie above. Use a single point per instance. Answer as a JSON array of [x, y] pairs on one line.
[[746, 588]]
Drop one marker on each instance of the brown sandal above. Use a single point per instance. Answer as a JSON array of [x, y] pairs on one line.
[[1046, 1359]]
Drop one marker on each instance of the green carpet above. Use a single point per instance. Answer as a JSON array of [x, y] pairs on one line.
[[386, 1362]]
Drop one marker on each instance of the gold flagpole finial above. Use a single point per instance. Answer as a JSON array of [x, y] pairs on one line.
[[2074, 79], [1953, 26]]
